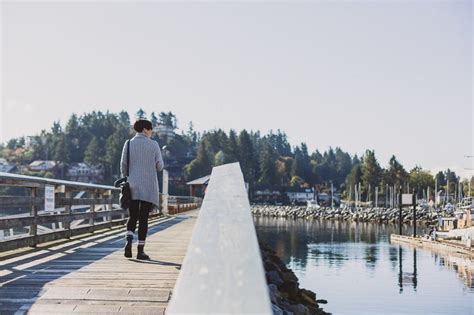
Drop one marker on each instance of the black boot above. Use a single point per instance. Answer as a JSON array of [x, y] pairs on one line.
[[141, 254], [128, 247]]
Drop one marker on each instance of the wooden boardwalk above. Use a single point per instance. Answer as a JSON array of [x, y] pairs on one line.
[[90, 275]]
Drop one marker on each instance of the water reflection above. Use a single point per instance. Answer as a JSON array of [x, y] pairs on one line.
[[350, 261], [295, 235], [407, 278]]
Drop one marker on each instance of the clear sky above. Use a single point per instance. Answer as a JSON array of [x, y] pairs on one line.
[[395, 76]]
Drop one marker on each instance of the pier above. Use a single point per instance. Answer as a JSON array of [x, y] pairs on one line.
[[444, 246], [207, 252]]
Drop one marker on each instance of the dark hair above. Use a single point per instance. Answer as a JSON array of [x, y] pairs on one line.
[[141, 124]]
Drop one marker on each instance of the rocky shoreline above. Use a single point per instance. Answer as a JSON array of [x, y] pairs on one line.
[[285, 294], [378, 215]]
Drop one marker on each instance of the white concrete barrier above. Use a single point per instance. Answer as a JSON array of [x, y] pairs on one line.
[[222, 272]]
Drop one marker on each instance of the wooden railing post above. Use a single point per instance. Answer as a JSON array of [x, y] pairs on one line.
[[109, 206], [165, 208], [67, 210], [34, 214], [92, 210]]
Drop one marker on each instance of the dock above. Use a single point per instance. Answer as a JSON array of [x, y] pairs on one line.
[[445, 246], [91, 275]]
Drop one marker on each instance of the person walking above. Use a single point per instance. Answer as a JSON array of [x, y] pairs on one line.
[[145, 161]]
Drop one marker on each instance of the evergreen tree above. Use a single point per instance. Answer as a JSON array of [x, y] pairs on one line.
[[232, 148], [440, 178], [61, 149], [154, 119], [168, 119], [371, 171], [93, 154], [201, 165], [141, 114], [246, 153], [220, 158], [354, 177], [421, 180], [395, 175], [267, 165], [124, 119]]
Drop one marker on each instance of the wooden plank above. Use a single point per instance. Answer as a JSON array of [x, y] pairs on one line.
[[11, 222], [20, 201], [223, 265], [62, 201], [56, 235], [19, 183], [98, 278]]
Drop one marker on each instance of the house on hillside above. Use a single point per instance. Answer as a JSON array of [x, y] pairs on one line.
[[83, 172], [164, 131], [197, 187], [6, 167], [41, 165]]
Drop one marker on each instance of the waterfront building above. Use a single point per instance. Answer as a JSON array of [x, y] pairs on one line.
[[300, 195]]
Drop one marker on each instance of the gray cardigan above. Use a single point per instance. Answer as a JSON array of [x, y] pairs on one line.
[[145, 161]]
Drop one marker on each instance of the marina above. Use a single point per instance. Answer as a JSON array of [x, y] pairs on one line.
[[358, 269]]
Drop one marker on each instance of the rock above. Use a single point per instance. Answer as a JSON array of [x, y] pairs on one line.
[[274, 294], [289, 276], [274, 278], [277, 310], [308, 298], [291, 288], [283, 287], [298, 309]]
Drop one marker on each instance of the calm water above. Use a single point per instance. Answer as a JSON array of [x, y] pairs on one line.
[[355, 268]]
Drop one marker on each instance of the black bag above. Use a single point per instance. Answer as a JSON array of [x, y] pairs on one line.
[[126, 194]]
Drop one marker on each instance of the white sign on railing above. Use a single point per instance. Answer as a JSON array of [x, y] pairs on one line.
[[407, 199], [49, 198]]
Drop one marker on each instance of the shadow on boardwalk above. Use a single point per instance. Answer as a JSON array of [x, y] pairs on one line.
[[23, 278]]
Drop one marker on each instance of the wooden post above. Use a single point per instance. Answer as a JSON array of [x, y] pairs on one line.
[[92, 209], [400, 219], [165, 193], [109, 206], [34, 214], [67, 210], [414, 212]]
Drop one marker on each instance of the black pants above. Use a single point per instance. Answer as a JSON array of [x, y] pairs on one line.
[[139, 211]]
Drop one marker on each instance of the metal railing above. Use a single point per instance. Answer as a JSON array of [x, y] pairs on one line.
[[222, 272], [78, 208]]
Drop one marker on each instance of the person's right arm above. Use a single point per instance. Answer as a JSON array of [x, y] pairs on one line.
[[123, 161], [158, 158]]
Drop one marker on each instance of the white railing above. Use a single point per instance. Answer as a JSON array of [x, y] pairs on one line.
[[222, 272]]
